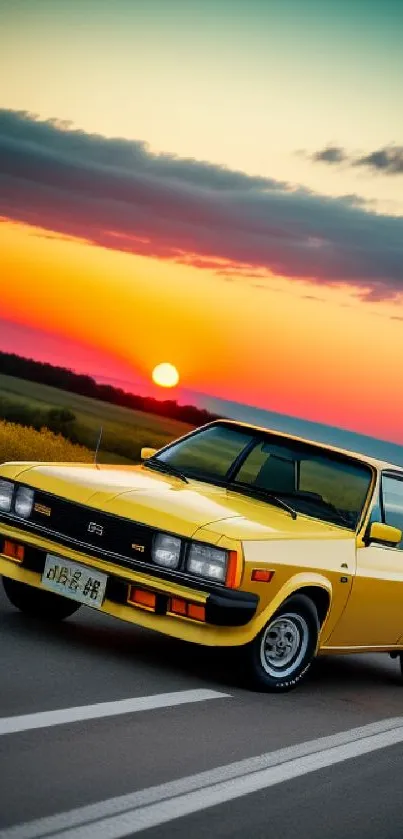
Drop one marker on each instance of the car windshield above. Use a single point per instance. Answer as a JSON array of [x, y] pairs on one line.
[[311, 480]]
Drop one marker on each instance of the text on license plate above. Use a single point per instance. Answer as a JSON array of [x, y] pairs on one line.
[[74, 581]]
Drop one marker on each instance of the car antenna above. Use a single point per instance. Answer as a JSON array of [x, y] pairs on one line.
[[97, 447]]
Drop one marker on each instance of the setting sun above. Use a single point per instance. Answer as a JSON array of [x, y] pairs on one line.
[[165, 375]]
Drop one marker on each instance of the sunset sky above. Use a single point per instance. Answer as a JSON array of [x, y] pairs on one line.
[[213, 183]]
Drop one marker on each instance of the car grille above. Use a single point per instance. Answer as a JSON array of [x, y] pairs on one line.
[[92, 528]]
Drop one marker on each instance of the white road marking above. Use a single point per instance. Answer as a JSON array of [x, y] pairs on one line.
[[45, 719], [129, 814]]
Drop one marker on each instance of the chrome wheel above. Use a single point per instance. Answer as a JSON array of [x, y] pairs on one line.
[[284, 644]]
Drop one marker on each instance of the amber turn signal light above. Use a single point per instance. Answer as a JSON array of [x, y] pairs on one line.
[[14, 551], [234, 570], [262, 575], [187, 610], [178, 606], [139, 597], [198, 613]]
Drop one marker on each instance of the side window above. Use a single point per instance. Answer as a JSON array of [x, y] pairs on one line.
[[392, 498]]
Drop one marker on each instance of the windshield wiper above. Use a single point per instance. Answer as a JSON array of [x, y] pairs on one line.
[[315, 498], [339, 513], [164, 466], [260, 492]]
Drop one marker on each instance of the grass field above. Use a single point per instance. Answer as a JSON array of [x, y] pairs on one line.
[[124, 431]]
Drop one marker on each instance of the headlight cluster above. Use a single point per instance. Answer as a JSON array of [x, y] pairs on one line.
[[166, 550], [19, 502], [207, 562], [201, 560]]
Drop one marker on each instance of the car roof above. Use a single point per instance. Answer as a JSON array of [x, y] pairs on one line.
[[364, 458]]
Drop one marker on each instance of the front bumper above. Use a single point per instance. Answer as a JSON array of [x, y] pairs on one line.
[[228, 612]]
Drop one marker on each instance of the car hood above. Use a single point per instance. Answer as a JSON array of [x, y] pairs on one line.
[[166, 502]]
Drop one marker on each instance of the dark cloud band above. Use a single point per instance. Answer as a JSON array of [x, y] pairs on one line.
[[117, 194]]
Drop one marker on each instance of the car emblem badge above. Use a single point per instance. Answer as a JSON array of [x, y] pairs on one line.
[[93, 527], [41, 508], [139, 548]]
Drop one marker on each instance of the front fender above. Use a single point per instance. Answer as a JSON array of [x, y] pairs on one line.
[[293, 585]]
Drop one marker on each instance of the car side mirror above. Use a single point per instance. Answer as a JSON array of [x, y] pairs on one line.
[[384, 533], [146, 453]]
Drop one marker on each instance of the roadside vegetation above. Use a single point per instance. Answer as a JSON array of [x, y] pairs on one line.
[[77, 420], [17, 443]]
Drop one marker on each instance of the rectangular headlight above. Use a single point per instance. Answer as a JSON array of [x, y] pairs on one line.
[[24, 501], [207, 562], [166, 550], [6, 495]]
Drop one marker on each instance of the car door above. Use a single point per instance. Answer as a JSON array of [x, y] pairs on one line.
[[374, 612]]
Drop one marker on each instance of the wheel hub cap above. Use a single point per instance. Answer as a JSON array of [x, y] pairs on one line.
[[282, 641], [284, 644]]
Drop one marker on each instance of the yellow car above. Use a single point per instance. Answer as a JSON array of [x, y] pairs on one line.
[[230, 536]]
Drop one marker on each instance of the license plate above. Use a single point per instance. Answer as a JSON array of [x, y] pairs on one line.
[[74, 581]]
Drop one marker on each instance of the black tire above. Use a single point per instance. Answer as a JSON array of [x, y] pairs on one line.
[[38, 603], [282, 669]]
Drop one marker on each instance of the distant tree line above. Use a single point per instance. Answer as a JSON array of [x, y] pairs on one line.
[[64, 379]]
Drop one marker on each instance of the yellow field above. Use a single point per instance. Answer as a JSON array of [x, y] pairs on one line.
[[18, 443]]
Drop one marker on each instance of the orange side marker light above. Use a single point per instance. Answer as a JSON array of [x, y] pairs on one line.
[[262, 575]]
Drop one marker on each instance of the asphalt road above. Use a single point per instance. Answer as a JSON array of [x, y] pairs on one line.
[[182, 770]]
